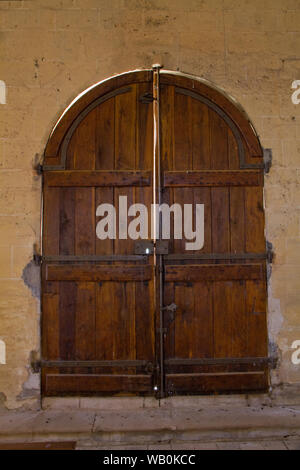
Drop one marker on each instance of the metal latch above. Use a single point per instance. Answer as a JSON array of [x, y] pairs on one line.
[[146, 98], [146, 247], [170, 308]]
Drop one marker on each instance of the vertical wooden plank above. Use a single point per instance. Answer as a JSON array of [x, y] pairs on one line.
[[183, 131], [123, 246], [103, 196], [230, 319], [144, 129], [51, 221], [203, 196], [125, 130], [184, 320], [50, 327], [237, 220], [257, 322], [85, 230], [85, 147], [222, 319], [201, 136], [123, 324], [255, 221], [104, 328], [218, 142], [167, 126], [85, 321], [105, 135], [202, 326], [239, 319], [181, 196], [169, 320], [67, 221], [144, 320], [220, 220], [67, 312], [233, 154]]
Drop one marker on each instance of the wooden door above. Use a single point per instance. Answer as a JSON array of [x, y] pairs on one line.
[[98, 314], [101, 326], [216, 340]]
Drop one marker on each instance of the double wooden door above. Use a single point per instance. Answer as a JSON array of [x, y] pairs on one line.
[[141, 317]]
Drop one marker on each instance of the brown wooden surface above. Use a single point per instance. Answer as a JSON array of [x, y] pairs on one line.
[[106, 311], [220, 272], [86, 178], [213, 178]]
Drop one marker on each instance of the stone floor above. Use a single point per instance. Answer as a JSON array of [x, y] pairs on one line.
[[165, 428]]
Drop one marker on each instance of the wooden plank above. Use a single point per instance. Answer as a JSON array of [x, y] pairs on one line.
[[85, 230], [89, 383], [230, 319], [67, 313], [144, 320], [84, 148], [220, 220], [208, 178], [237, 220], [125, 130], [218, 141], [105, 135], [256, 308], [50, 326], [104, 329], [97, 178], [144, 129], [98, 272], [167, 126], [184, 321], [203, 196], [255, 220], [216, 382], [213, 272], [67, 221], [103, 196], [200, 136], [183, 133], [85, 321], [233, 152]]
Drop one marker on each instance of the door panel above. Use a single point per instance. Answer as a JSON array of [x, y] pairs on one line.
[[210, 344], [98, 295]]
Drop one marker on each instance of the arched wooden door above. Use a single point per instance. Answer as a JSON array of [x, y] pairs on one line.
[[123, 316]]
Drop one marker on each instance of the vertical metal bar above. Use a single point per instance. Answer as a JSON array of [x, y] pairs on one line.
[[157, 199]]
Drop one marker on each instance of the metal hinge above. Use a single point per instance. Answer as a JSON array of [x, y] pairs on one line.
[[270, 252], [146, 98], [37, 257], [39, 169], [35, 362], [267, 156]]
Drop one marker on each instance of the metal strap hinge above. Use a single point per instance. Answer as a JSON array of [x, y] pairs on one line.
[[37, 257], [267, 156], [146, 98]]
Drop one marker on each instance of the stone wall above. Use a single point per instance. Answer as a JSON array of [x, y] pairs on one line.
[[51, 50]]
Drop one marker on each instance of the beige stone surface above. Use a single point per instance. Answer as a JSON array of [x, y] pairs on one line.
[[51, 50]]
